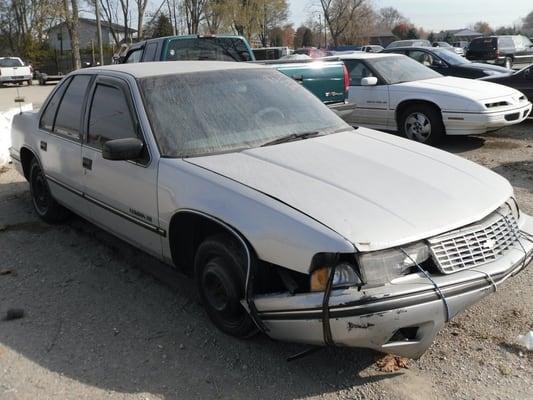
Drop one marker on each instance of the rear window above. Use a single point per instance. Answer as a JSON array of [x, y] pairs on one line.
[[10, 63], [506, 42], [484, 44], [210, 48]]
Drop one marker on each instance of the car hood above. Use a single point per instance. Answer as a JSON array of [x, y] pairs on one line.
[[469, 88], [374, 189], [486, 67]]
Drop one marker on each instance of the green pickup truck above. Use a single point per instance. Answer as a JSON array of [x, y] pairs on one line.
[[328, 80]]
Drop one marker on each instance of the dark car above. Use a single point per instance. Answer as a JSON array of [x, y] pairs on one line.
[[447, 62], [502, 50], [520, 80]]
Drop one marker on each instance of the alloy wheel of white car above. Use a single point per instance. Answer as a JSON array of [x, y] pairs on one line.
[[418, 127]]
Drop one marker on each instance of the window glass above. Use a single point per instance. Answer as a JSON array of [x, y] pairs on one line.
[[149, 54], [69, 113], [208, 48], [422, 57], [10, 62], [110, 117], [506, 42], [49, 114], [134, 56], [401, 69], [357, 70]]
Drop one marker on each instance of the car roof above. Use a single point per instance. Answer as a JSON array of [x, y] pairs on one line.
[[158, 68]]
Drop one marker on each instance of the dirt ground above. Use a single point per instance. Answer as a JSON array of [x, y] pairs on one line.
[[104, 321]]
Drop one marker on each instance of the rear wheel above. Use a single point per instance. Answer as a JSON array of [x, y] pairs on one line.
[[422, 123], [220, 275], [44, 204], [30, 82]]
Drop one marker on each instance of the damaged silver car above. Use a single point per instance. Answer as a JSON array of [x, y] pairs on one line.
[[292, 222]]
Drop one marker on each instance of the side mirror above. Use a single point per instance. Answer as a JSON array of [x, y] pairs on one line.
[[369, 81], [122, 149]]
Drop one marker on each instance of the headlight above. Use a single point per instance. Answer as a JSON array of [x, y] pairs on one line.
[[380, 267], [513, 205], [345, 276]]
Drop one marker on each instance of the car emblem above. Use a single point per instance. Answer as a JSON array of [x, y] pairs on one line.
[[489, 244]]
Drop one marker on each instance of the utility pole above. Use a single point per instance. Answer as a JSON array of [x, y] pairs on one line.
[[99, 31]]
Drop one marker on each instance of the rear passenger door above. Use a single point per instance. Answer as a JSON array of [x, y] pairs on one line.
[[60, 141], [122, 194]]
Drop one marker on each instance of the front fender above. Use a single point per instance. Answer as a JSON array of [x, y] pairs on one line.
[[278, 233]]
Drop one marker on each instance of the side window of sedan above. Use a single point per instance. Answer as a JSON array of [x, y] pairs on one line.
[[422, 57], [68, 119], [110, 117], [357, 70], [49, 115]]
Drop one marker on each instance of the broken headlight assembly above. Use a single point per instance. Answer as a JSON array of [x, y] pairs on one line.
[[345, 276], [381, 267]]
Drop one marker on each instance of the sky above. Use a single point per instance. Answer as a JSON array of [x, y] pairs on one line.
[[437, 14]]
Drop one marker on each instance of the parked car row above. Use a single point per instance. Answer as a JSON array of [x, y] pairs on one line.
[[291, 221]]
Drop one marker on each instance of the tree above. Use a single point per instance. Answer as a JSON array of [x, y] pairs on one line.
[[527, 26], [401, 31], [194, 10], [71, 20], [482, 27], [303, 37], [141, 9], [271, 13], [340, 14], [389, 17], [162, 26]]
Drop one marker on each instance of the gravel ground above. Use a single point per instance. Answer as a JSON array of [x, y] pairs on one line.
[[103, 320]]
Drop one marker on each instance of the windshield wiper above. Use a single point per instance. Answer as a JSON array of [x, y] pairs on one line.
[[291, 138]]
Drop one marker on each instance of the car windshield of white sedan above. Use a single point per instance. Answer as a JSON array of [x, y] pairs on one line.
[[402, 69], [223, 111]]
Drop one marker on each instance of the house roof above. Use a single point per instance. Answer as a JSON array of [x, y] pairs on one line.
[[463, 32], [104, 24]]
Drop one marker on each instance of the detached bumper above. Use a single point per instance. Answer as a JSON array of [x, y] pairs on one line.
[[468, 124], [401, 318]]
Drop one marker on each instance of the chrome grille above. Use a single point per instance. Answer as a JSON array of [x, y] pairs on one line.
[[476, 244]]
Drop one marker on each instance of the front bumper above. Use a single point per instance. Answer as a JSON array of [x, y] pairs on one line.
[[342, 109], [377, 318], [478, 123]]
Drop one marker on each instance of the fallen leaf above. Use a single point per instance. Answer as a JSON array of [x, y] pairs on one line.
[[392, 363]]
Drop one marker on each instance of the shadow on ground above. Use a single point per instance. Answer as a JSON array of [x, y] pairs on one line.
[[96, 313]]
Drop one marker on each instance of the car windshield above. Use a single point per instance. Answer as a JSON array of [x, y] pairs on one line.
[[401, 69], [10, 63], [224, 111], [451, 57]]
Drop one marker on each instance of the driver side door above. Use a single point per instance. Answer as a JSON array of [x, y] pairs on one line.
[[371, 103], [122, 194]]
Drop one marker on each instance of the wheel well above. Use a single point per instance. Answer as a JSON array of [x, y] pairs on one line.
[[186, 232], [26, 156], [403, 106]]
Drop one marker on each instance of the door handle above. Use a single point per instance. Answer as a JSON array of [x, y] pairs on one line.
[[87, 163], [44, 145]]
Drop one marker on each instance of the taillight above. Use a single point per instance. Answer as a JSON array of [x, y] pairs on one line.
[[346, 78]]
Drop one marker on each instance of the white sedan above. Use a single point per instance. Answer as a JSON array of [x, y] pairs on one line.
[[394, 92]]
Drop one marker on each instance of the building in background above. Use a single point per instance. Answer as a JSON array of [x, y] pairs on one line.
[[59, 39]]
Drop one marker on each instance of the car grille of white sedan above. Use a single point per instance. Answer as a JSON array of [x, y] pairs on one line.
[[476, 244]]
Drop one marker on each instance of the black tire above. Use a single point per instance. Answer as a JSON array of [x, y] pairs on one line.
[[508, 63], [42, 82], [30, 82], [422, 123], [46, 207], [220, 275]]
